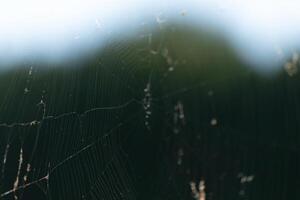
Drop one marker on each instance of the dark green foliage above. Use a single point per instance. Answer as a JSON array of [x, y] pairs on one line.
[[85, 133]]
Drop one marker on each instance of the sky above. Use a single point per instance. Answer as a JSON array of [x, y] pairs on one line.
[[261, 31]]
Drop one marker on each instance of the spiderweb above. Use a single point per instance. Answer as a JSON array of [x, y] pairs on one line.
[[149, 117]]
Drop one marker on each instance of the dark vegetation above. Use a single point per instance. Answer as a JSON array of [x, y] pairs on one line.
[[86, 132]]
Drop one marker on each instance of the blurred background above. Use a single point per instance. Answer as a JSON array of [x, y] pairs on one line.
[[149, 99], [261, 32]]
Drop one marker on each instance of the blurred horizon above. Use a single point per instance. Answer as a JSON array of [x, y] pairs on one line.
[[263, 33]]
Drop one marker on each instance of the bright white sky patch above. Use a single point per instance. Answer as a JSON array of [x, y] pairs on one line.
[[53, 29], [260, 27]]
